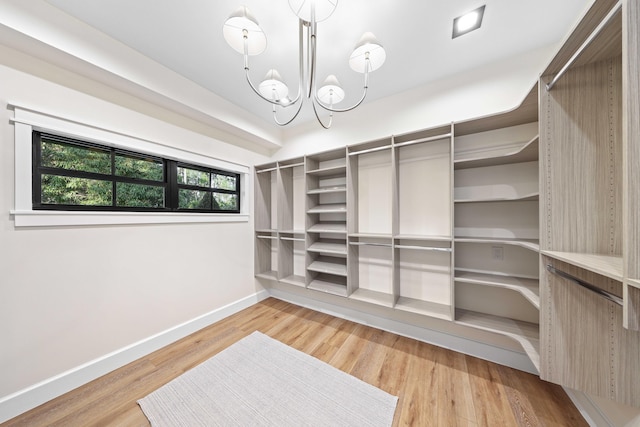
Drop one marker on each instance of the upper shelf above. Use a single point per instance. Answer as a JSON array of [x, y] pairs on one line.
[[605, 265], [329, 171], [527, 152], [326, 190], [531, 244]]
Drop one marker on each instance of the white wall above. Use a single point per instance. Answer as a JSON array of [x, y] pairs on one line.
[[74, 294], [484, 91]]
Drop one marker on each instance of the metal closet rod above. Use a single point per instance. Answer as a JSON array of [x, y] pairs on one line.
[[601, 292], [586, 43]]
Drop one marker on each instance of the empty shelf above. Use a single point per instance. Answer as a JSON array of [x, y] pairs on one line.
[[529, 288], [330, 171], [525, 333], [530, 244], [328, 208], [374, 297], [325, 190], [329, 248], [522, 198], [427, 308], [328, 287], [527, 152], [271, 275], [328, 227], [294, 280], [328, 267], [605, 265]]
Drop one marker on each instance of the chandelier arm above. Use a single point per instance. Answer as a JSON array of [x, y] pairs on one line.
[[344, 110], [315, 110], [257, 92], [275, 118]]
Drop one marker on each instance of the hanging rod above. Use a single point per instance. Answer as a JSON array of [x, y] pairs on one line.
[[370, 150], [386, 245], [423, 248], [586, 43], [421, 140], [606, 295]]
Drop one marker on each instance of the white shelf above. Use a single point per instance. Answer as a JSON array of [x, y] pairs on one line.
[[529, 288], [523, 198], [495, 273], [605, 265], [329, 248], [426, 308], [426, 238], [328, 287], [528, 152], [294, 280], [525, 333], [270, 275], [329, 227], [328, 267], [371, 235], [266, 230], [373, 297], [326, 190], [530, 244], [330, 208], [330, 171]]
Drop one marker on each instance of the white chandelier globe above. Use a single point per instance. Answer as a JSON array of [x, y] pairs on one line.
[[302, 8], [331, 91], [370, 47], [239, 22], [272, 87]]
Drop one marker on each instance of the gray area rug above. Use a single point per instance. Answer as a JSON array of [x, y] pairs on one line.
[[259, 381]]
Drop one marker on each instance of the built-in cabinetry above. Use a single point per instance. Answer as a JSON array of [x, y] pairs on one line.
[[496, 199], [523, 224], [589, 209]]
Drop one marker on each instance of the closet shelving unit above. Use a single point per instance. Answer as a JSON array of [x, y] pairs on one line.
[[589, 215], [423, 222], [290, 209], [496, 230], [370, 194], [326, 222], [266, 228]]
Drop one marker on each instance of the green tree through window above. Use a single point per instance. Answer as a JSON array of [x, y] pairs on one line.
[[78, 175]]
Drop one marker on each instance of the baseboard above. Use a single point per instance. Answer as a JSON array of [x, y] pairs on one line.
[[31, 397], [588, 409], [502, 356]]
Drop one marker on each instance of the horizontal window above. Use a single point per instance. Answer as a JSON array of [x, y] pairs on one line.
[[70, 175]]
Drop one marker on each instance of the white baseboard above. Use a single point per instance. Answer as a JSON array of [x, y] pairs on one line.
[[588, 409], [24, 400]]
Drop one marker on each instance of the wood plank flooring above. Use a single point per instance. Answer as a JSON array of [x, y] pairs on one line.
[[435, 386]]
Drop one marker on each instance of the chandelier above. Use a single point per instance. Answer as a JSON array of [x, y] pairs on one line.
[[243, 34]]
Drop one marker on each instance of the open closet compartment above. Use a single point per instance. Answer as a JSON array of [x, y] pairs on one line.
[[589, 207], [496, 225], [423, 222], [266, 216], [326, 222], [291, 221], [369, 222]]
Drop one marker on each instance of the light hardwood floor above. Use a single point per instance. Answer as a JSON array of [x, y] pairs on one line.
[[436, 387]]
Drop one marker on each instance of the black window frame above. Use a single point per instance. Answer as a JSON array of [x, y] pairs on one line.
[[169, 183]]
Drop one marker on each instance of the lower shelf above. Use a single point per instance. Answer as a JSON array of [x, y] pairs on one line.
[[339, 269], [427, 308], [328, 287], [294, 280], [271, 275], [525, 333], [373, 297], [529, 288]]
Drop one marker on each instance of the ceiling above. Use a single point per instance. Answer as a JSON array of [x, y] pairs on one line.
[[186, 37]]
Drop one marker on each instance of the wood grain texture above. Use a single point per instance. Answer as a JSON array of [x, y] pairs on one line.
[[581, 161], [579, 34], [631, 142], [436, 387], [583, 343]]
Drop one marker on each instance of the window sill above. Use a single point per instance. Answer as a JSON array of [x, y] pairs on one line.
[[67, 218]]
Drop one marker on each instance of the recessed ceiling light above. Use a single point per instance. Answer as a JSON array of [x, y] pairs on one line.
[[468, 22]]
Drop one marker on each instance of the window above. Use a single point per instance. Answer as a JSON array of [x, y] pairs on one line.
[[69, 174]]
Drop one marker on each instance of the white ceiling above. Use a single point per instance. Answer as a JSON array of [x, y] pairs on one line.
[[186, 36]]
